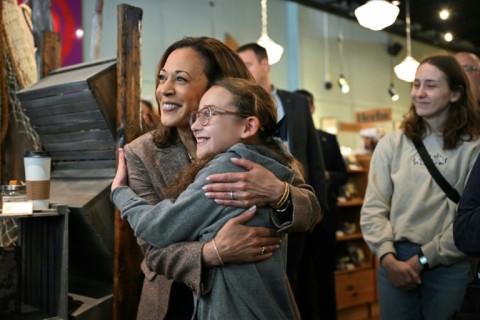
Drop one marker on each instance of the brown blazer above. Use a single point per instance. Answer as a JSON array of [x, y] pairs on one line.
[[150, 170]]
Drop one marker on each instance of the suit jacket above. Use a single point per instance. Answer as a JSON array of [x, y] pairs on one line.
[[150, 170], [466, 226], [335, 165], [304, 143]]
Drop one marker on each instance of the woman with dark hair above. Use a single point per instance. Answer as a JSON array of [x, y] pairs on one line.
[[236, 119], [185, 72], [406, 219]]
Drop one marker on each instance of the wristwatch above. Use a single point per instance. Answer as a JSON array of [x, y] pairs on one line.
[[423, 260]]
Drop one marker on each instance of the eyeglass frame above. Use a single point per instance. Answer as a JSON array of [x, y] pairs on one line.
[[469, 68], [209, 113]]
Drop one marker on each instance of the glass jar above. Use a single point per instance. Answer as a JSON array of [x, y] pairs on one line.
[[13, 193]]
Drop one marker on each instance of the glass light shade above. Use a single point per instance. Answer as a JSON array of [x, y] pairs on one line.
[[393, 93], [406, 69], [377, 14], [274, 50], [342, 82]]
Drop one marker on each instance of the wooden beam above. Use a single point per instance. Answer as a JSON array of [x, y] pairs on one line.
[[127, 254], [51, 53]]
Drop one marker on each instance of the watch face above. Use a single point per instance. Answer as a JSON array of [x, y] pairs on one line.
[[423, 260]]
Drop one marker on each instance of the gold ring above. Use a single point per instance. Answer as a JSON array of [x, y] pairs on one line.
[[231, 195], [263, 250]]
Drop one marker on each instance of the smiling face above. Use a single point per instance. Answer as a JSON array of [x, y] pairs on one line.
[[431, 94], [182, 82], [223, 130]]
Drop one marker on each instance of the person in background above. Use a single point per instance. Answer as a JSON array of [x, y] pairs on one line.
[[466, 227], [471, 65], [236, 119], [297, 129], [185, 71], [148, 117], [321, 243], [406, 218], [370, 137]]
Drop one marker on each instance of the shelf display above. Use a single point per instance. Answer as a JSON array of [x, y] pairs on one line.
[[355, 263]]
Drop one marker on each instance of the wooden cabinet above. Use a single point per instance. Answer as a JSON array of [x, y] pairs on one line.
[[43, 285], [356, 268]]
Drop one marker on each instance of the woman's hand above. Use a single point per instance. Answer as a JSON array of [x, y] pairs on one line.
[[257, 186], [237, 243], [121, 176], [401, 273]]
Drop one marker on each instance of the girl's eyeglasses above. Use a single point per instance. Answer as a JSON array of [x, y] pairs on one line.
[[205, 115]]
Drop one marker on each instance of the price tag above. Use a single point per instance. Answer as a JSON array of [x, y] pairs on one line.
[[17, 208]]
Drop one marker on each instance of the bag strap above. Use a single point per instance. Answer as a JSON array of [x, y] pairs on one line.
[[437, 176]]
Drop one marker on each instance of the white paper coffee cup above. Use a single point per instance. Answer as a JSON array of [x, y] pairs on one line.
[[37, 178]]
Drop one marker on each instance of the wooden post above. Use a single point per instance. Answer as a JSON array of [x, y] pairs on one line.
[[127, 254], [51, 53]]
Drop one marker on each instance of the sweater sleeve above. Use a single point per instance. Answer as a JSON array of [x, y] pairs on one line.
[[172, 221], [374, 217]]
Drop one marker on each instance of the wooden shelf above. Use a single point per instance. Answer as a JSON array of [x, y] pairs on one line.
[[349, 237], [350, 202], [356, 269], [356, 169], [355, 287]]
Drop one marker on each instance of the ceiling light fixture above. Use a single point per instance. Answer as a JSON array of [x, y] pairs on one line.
[[448, 37], [377, 14], [328, 77], [393, 92], [342, 81], [274, 50], [406, 69], [444, 14]]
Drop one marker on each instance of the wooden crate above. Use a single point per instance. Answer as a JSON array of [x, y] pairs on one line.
[[73, 112]]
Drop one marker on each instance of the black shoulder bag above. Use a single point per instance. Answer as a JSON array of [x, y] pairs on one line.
[[450, 191], [470, 309]]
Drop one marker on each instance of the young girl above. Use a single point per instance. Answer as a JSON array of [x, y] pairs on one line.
[[236, 119]]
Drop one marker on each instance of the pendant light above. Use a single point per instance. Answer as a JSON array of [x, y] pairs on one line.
[[342, 81], [377, 14], [274, 50], [328, 77], [406, 69]]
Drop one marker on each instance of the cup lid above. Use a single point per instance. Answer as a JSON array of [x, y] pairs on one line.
[[35, 153]]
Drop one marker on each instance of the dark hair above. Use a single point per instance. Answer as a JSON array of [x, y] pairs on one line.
[[463, 115], [219, 62], [260, 52], [305, 93], [147, 103], [251, 99]]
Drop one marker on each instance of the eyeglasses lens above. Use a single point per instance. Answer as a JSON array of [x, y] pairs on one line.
[[203, 117]]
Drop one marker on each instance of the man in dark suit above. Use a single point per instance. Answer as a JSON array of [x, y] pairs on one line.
[[297, 129], [321, 242]]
